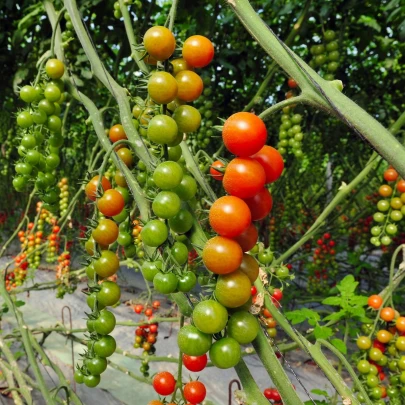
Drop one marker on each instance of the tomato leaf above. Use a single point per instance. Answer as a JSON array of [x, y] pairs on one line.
[[340, 345], [322, 332], [332, 301], [301, 315]]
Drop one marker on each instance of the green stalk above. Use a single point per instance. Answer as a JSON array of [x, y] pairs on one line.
[[27, 344], [254, 396], [118, 92], [62, 380], [273, 66], [301, 99], [275, 370], [8, 374], [135, 54], [16, 372], [323, 94], [313, 350]]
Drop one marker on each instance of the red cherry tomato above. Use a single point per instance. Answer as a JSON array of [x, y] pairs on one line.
[[272, 162]]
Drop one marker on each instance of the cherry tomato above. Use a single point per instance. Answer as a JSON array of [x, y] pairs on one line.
[[162, 87], [243, 327], [210, 316], [106, 232], [390, 175], [277, 294], [195, 363], [400, 324], [111, 203], [244, 134], [247, 239], [105, 323], [387, 314], [188, 118], [217, 175], [164, 383], [229, 216], [105, 346], [179, 65], [192, 341], [233, 290], [385, 190], [375, 301], [195, 392], [117, 133], [260, 205], [107, 264], [126, 156], [272, 162], [292, 84], [250, 267], [159, 42], [54, 68], [363, 342], [90, 189], [154, 233], [109, 293], [244, 177], [165, 283], [190, 85], [225, 353], [222, 255], [198, 51], [401, 186]]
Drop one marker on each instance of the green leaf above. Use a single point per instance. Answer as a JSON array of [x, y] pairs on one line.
[[323, 332], [19, 303], [322, 393], [332, 301], [336, 316], [340, 345], [358, 300], [369, 22], [301, 315], [348, 285]]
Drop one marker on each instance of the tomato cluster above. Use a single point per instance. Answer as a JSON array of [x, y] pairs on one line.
[[381, 354], [17, 276], [324, 268], [290, 134], [325, 56], [64, 195], [42, 138], [391, 209]]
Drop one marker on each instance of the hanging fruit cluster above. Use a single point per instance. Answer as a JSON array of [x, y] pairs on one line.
[[16, 277], [63, 195], [38, 123], [391, 209], [325, 56], [53, 244], [290, 134], [382, 353], [324, 268]]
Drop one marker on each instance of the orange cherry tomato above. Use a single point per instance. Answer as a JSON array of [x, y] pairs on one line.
[[91, 186], [387, 314], [111, 203], [189, 85], [248, 239], [198, 51]]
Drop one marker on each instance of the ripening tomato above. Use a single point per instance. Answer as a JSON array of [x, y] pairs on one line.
[[162, 87], [111, 203], [190, 85], [244, 134], [179, 65], [250, 267], [385, 190], [106, 232], [198, 51], [117, 133], [159, 42], [91, 186], [244, 177], [248, 239], [401, 186], [390, 175], [126, 156], [164, 383], [194, 392], [260, 205], [195, 363], [222, 255], [400, 324], [272, 162], [292, 84], [387, 314], [375, 301], [217, 175], [229, 216], [233, 290]]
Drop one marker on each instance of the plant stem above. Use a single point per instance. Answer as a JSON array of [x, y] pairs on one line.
[[172, 14], [323, 94], [179, 384], [27, 343], [253, 394], [16, 372], [8, 374], [273, 66], [119, 93], [275, 370], [301, 99], [135, 54], [129, 373]]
